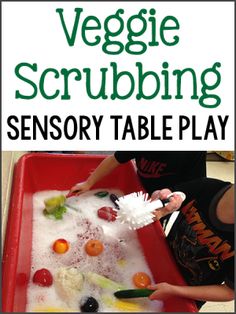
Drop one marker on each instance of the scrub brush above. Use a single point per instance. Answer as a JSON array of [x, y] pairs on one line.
[[137, 211]]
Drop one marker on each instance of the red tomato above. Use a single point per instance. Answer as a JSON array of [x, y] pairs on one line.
[[141, 280], [43, 277], [60, 246], [107, 213], [94, 247]]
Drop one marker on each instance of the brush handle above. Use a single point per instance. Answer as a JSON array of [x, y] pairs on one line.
[[157, 204]]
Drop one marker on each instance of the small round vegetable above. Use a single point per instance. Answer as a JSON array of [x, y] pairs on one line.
[[101, 194], [141, 280], [89, 304], [94, 247], [43, 277], [60, 246], [107, 213]]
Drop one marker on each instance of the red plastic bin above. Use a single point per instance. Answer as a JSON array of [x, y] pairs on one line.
[[42, 171]]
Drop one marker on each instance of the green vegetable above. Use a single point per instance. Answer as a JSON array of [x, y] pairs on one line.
[[133, 293], [101, 194], [54, 207], [103, 282], [57, 213], [51, 204]]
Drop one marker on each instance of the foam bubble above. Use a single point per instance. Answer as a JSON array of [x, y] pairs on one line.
[[121, 258]]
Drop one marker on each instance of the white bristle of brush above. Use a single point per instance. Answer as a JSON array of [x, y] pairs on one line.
[[137, 211]]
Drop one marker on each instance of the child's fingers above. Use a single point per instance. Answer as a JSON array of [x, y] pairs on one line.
[[160, 194], [152, 287], [76, 187], [175, 203], [75, 190], [154, 296], [155, 195], [73, 193], [164, 193]]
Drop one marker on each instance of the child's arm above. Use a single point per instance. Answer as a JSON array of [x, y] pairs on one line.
[[103, 169], [219, 293]]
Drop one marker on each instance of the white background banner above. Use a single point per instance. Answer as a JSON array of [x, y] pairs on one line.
[[110, 78]]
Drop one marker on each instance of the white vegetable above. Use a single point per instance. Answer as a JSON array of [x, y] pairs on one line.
[[68, 282], [103, 282]]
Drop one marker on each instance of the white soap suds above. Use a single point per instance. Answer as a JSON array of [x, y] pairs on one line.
[[121, 259]]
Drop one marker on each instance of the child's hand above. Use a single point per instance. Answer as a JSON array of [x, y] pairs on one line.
[[79, 188], [173, 205], [162, 291]]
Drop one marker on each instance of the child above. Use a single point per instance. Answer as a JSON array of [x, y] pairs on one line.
[[202, 241], [156, 169]]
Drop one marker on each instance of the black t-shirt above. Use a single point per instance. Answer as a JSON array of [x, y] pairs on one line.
[[161, 169], [202, 245]]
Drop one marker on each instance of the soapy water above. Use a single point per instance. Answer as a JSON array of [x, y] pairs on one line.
[[121, 259]]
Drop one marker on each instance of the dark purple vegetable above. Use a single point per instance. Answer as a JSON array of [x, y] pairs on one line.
[[89, 304], [114, 198]]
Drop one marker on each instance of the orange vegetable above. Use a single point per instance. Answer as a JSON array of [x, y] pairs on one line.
[[60, 246], [141, 280], [94, 247]]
